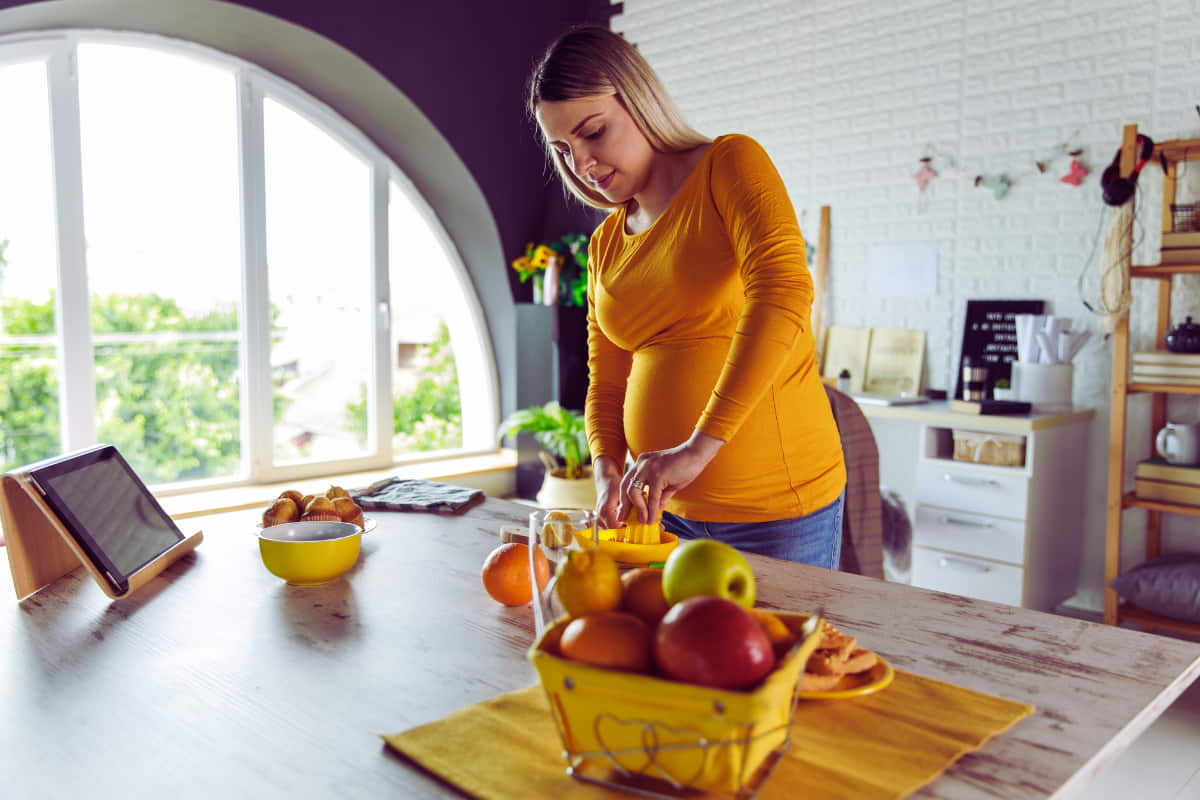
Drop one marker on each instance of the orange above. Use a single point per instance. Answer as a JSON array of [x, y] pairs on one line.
[[588, 581], [777, 633], [609, 639], [642, 595], [505, 573]]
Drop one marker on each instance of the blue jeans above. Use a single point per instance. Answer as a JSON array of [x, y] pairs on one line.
[[815, 538]]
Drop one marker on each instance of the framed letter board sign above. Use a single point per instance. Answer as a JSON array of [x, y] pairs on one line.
[[990, 337]]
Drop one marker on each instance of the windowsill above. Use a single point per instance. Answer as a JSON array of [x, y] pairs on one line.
[[486, 468]]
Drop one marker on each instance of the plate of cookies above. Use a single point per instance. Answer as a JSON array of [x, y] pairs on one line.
[[333, 505], [839, 668]]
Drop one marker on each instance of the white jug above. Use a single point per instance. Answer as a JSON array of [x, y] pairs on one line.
[[1179, 443]]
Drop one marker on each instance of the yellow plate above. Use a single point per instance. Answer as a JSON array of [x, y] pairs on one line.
[[635, 554], [872, 680]]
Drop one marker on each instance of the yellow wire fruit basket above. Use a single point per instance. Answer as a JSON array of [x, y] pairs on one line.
[[650, 735]]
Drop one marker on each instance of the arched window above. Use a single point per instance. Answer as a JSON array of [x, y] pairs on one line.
[[212, 270]]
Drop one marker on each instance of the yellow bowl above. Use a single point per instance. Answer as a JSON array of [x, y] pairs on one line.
[[309, 553], [627, 553]]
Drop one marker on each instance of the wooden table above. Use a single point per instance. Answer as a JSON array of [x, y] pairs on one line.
[[217, 677]]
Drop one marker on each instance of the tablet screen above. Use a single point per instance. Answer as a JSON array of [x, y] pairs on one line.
[[109, 510]]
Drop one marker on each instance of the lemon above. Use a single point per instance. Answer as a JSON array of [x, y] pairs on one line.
[[557, 530], [589, 580]]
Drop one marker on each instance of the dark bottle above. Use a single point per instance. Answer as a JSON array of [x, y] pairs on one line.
[[1183, 338]]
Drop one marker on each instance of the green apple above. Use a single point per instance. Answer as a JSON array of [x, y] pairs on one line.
[[708, 567]]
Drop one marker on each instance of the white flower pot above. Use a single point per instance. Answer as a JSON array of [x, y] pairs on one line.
[[559, 492]]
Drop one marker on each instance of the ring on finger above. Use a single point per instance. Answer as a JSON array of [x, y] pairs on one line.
[[637, 484]]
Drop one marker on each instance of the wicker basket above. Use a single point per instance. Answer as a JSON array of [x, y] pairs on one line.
[[981, 447]]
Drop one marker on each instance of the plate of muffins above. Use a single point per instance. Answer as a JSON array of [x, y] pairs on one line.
[[333, 505]]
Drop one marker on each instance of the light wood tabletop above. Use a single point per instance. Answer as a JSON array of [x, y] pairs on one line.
[[218, 678]]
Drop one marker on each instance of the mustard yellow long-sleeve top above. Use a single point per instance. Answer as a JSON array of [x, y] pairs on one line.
[[703, 321]]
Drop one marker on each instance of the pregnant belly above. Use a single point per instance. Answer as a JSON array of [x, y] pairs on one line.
[[669, 387]]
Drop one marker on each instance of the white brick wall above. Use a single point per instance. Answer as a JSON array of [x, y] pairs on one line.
[[845, 94]]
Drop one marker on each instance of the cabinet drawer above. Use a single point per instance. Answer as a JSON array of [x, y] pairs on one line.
[[972, 534], [948, 485], [970, 577]]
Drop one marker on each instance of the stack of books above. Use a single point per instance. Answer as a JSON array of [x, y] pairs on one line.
[[1156, 479], [1161, 366], [1181, 247]]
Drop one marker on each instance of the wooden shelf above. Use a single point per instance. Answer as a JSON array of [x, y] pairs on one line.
[[1161, 388], [1163, 270], [1167, 154], [1156, 622], [1131, 500]]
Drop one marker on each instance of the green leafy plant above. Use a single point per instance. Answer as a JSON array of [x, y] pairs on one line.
[[561, 433]]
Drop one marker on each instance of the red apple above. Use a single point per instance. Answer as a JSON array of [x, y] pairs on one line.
[[711, 641]]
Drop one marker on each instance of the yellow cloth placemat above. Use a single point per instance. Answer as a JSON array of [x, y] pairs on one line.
[[884, 745]]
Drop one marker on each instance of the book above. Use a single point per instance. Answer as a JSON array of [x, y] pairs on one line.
[[895, 361], [1178, 380], [1160, 469], [1166, 369], [1180, 255], [991, 406], [846, 349], [1181, 493], [1166, 357], [1174, 241]]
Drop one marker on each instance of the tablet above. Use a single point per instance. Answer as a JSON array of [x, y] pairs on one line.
[[107, 510]]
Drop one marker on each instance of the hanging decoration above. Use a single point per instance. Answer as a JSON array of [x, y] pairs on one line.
[[1078, 171], [935, 164], [998, 184], [925, 174]]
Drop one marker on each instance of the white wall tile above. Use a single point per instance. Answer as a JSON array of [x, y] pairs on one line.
[[846, 95]]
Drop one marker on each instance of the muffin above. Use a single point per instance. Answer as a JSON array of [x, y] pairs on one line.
[[348, 510], [281, 510], [294, 496], [334, 492], [320, 504], [320, 516]]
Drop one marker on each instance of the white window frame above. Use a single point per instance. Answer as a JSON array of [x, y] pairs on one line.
[[478, 379]]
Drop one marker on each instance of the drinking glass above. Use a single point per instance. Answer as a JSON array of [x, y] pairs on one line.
[[553, 531]]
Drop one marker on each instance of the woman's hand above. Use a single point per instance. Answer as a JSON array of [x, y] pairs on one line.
[[658, 475], [607, 475]]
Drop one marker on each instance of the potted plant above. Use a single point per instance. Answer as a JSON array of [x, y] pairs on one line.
[[563, 437], [1002, 390]]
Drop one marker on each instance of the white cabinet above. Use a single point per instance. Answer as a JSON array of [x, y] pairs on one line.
[[1010, 534]]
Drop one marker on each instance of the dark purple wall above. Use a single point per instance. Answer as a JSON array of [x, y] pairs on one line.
[[464, 63]]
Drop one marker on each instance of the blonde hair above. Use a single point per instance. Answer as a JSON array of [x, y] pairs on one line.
[[589, 61]]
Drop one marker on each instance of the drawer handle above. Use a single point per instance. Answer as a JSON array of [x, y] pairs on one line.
[[966, 481], [963, 564], [946, 519]]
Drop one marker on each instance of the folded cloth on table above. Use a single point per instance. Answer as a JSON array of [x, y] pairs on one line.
[[882, 746], [410, 494]]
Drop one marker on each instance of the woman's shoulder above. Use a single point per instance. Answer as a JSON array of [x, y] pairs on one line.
[[736, 144], [734, 155]]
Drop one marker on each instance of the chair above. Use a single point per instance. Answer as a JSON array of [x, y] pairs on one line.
[[862, 519]]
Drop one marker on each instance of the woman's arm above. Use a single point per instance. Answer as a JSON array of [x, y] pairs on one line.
[[766, 239], [604, 406]]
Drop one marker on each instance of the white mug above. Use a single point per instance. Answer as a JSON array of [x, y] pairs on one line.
[[1178, 443]]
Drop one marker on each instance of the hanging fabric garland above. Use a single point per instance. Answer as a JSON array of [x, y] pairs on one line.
[[925, 174], [1078, 171], [1000, 183]]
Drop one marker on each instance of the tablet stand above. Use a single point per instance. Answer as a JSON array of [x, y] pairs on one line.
[[41, 550]]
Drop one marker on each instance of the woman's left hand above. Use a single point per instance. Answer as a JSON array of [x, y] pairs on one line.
[[658, 475]]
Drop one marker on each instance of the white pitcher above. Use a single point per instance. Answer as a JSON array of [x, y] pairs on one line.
[[1179, 443]]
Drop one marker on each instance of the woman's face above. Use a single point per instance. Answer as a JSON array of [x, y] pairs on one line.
[[600, 143]]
